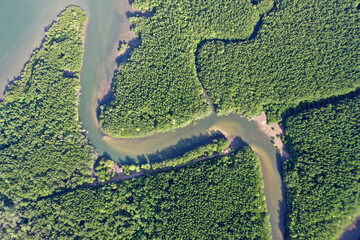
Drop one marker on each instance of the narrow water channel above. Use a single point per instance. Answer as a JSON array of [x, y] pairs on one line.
[[96, 76], [22, 25]]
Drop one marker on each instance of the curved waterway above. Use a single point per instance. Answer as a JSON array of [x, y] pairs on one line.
[[96, 76], [22, 25]]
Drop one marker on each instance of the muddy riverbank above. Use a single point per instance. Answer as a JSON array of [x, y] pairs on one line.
[[108, 24]]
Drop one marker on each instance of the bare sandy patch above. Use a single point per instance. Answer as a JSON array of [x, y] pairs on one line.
[[273, 131]]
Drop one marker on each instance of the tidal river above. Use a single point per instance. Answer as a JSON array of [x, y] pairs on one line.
[[22, 25]]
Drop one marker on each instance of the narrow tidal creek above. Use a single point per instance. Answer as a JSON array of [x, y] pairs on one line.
[[108, 24]]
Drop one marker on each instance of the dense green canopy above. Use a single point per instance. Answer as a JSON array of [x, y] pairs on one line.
[[42, 147], [158, 88], [322, 178], [214, 199], [304, 50]]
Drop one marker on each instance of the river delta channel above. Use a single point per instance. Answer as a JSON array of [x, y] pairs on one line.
[[22, 24]]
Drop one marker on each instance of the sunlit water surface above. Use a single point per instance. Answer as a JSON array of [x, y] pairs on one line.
[[22, 25]]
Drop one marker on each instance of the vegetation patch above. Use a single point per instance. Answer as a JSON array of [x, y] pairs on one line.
[[322, 178], [42, 147], [10, 218], [158, 89], [213, 199], [218, 146], [306, 50]]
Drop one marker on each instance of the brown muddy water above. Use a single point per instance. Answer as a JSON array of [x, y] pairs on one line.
[[22, 24], [108, 25]]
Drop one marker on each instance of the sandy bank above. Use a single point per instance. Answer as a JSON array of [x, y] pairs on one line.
[[273, 131]]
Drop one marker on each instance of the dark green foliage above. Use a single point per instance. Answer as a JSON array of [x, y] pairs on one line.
[[215, 199], [304, 50], [322, 178], [158, 89], [42, 147]]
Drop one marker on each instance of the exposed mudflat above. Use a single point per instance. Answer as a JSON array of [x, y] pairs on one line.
[[273, 131]]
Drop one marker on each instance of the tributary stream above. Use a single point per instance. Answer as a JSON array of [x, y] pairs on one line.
[[22, 25]]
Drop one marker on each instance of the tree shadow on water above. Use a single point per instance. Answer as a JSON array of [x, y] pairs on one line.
[[238, 143], [282, 203], [353, 233], [178, 149], [126, 54]]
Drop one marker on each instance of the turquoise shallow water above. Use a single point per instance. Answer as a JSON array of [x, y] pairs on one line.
[[22, 25]]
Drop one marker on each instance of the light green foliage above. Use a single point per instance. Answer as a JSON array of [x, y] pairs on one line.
[[42, 147], [123, 47], [105, 170], [218, 146], [132, 167], [158, 89], [322, 178], [10, 219], [215, 199], [304, 50]]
